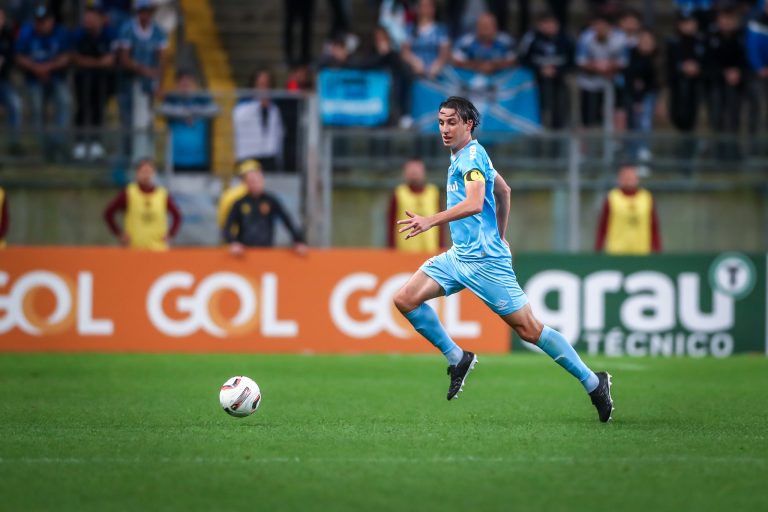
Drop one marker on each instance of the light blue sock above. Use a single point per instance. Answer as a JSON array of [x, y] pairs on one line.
[[557, 347], [425, 321]]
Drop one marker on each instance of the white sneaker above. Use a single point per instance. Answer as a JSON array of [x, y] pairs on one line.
[[79, 152], [645, 155], [405, 122], [96, 151]]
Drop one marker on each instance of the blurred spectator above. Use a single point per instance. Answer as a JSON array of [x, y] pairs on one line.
[[298, 12], [233, 193], [601, 56], [548, 51], [145, 208], [94, 60], [259, 126], [142, 45], [300, 79], [42, 51], [757, 52], [417, 196], [395, 16], [118, 12], [630, 24], [336, 54], [685, 53], [628, 223], [9, 98], [427, 48], [641, 88], [189, 112], [728, 67], [384, 57], [487, 50], [252, 218], [560, 9], [702, 10], [4, 219]]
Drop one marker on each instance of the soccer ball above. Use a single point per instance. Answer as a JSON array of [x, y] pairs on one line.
[[240, 396]]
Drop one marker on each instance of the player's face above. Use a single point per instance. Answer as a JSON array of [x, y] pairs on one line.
[[454, 132]]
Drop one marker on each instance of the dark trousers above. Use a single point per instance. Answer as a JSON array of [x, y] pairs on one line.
[[91, 89], [298, 12], [591, 108], [725, 105], [684, 103], [339, 17], [553, 103]]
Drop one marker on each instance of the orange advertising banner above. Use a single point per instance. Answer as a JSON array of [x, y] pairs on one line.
[[206, 300]]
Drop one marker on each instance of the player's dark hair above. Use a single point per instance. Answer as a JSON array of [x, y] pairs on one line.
[[465, 110]]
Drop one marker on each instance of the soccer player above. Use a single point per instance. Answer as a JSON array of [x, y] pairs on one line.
[[477, 210]]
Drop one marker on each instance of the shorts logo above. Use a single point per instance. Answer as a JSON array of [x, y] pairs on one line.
[[501, 303]]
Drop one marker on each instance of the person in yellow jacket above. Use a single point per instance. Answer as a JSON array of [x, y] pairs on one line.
[[628, 223], [233, 194], [145, 208], [3, 216], [416, 196]]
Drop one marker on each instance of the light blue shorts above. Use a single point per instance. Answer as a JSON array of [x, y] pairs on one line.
[[493, 280]]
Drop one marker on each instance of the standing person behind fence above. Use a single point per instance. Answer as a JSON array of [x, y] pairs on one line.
[[427, 49], [43, 52], [252, 218], [142, 46], [487, 50], [728, 68], [642, 86], [4, 219], [189, 113], [628, 223], [417, 196], [145, 208], [601, 56], [548, 51], [685, 54], [258, 125], [94, 60]]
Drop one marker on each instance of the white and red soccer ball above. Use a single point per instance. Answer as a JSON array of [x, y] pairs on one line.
[[240, 396]]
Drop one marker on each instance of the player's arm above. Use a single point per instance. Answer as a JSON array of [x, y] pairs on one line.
[[474, 184], [501, 192]]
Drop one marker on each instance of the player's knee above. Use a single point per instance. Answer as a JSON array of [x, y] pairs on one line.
[[404, 302], [530, 332]]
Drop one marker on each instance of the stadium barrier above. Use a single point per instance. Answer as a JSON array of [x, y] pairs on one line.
[[206, 300]]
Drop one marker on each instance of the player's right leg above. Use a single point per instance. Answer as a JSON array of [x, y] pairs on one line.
[[411, 299]]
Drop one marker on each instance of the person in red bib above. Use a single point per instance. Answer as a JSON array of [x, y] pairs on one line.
[[145, 208], [628, 223], [417, 196]]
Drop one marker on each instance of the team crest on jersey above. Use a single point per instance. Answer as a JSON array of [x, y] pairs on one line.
[[245, 208], [264, 208]]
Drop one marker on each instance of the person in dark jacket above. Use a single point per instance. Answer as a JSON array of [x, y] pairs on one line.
[[254, 217], [685, 53], [728, 72], [9, 97], [548, 51], [642, 85]]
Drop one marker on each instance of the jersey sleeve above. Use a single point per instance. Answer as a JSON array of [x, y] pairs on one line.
[[473, 165]]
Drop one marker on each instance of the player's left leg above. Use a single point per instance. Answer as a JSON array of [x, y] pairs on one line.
[[554, 344]]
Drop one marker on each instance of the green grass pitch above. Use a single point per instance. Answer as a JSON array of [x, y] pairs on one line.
[[368, 433]]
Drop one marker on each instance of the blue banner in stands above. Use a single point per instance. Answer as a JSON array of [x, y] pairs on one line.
[[507, 101], [350, 97]]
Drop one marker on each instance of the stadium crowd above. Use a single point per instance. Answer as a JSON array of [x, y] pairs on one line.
[[717, 57]]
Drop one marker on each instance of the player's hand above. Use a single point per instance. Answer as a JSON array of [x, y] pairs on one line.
[[236, 249], [416, 224], [125, 239], [300, 249]]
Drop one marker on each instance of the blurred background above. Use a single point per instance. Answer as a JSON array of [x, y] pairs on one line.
[[332, 98]]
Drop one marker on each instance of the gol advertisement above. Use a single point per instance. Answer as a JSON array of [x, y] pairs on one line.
[[206, 300]]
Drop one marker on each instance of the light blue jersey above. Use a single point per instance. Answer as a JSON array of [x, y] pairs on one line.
[[476, 236], [479, 260]]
